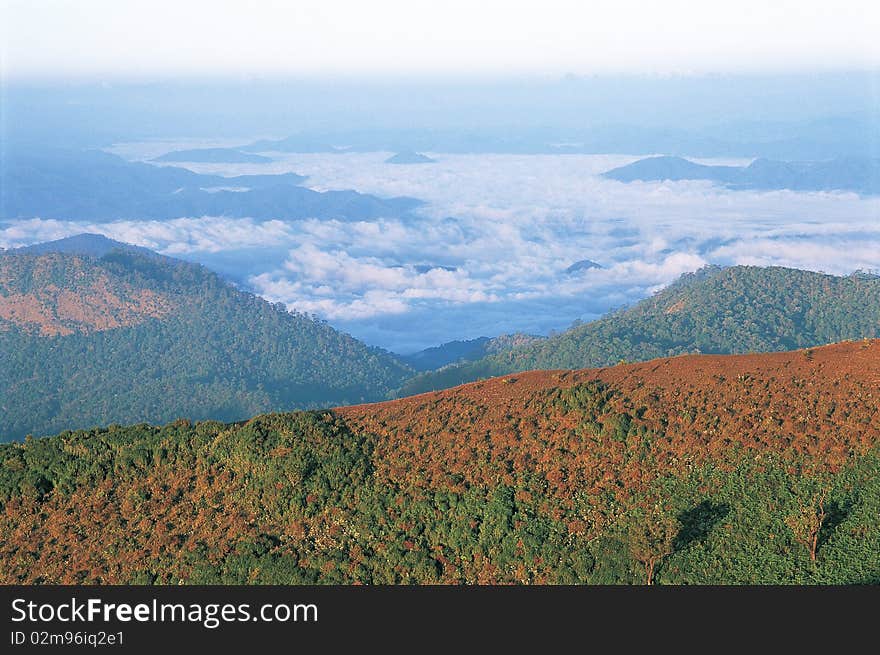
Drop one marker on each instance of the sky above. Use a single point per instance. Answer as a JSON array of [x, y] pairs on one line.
[[489, 251], [168, 38]]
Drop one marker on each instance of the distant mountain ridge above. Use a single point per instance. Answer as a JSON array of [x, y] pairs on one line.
[[124, 337], [212, 156], [820, 139], [859, 174], [468, 350], [97, 186], [738, 309]]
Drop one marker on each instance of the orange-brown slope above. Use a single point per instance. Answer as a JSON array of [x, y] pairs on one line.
[[817, 407], [56, 294]]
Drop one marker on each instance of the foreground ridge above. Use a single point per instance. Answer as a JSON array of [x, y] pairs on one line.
[[696, 469]]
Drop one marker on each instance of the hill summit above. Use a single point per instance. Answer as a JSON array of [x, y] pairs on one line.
[[409, 157], [87, 244], [118, 336]]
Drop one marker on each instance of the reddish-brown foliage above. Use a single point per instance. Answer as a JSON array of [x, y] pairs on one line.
[[820, 404], [89, 300], [100, 535], [590, 461]]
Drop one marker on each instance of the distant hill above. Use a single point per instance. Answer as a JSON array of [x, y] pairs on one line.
[[213, 156], [815, 140], [685, 470], [739, 309], [859, 174], [90, 245], [653, 169], [582, 265], [124, 337], [469, 350], [447, 353], [97, 186], [410, 157]]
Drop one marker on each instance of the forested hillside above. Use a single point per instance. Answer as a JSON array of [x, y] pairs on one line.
[[739, 309], [127, 337], [708, 469], [464, 351]]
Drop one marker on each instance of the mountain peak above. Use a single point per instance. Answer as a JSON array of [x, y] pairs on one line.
[[409, 157], [126, 337], [582, 265], [87, 244]]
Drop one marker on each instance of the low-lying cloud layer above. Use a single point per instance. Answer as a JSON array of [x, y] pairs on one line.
[[488, 254]]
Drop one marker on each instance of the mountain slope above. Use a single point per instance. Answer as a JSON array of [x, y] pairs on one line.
[[690, 470], [125, 338], [715, 310]]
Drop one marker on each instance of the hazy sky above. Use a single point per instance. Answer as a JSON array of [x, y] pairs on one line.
[[61, 38]]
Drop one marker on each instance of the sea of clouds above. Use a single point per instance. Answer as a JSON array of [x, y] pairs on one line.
[[488, 253]]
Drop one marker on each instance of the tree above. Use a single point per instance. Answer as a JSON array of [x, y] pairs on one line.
[[651, 528], [806, 523]]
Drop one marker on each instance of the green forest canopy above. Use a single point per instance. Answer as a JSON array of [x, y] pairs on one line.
[[739, 309]]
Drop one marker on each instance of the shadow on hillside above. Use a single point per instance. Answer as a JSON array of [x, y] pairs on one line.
[[697, 523], [836, 512]]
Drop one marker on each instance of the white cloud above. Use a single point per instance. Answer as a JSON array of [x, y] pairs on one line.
[[839, 255], [337, 285], [172, 237], [509, 226]]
